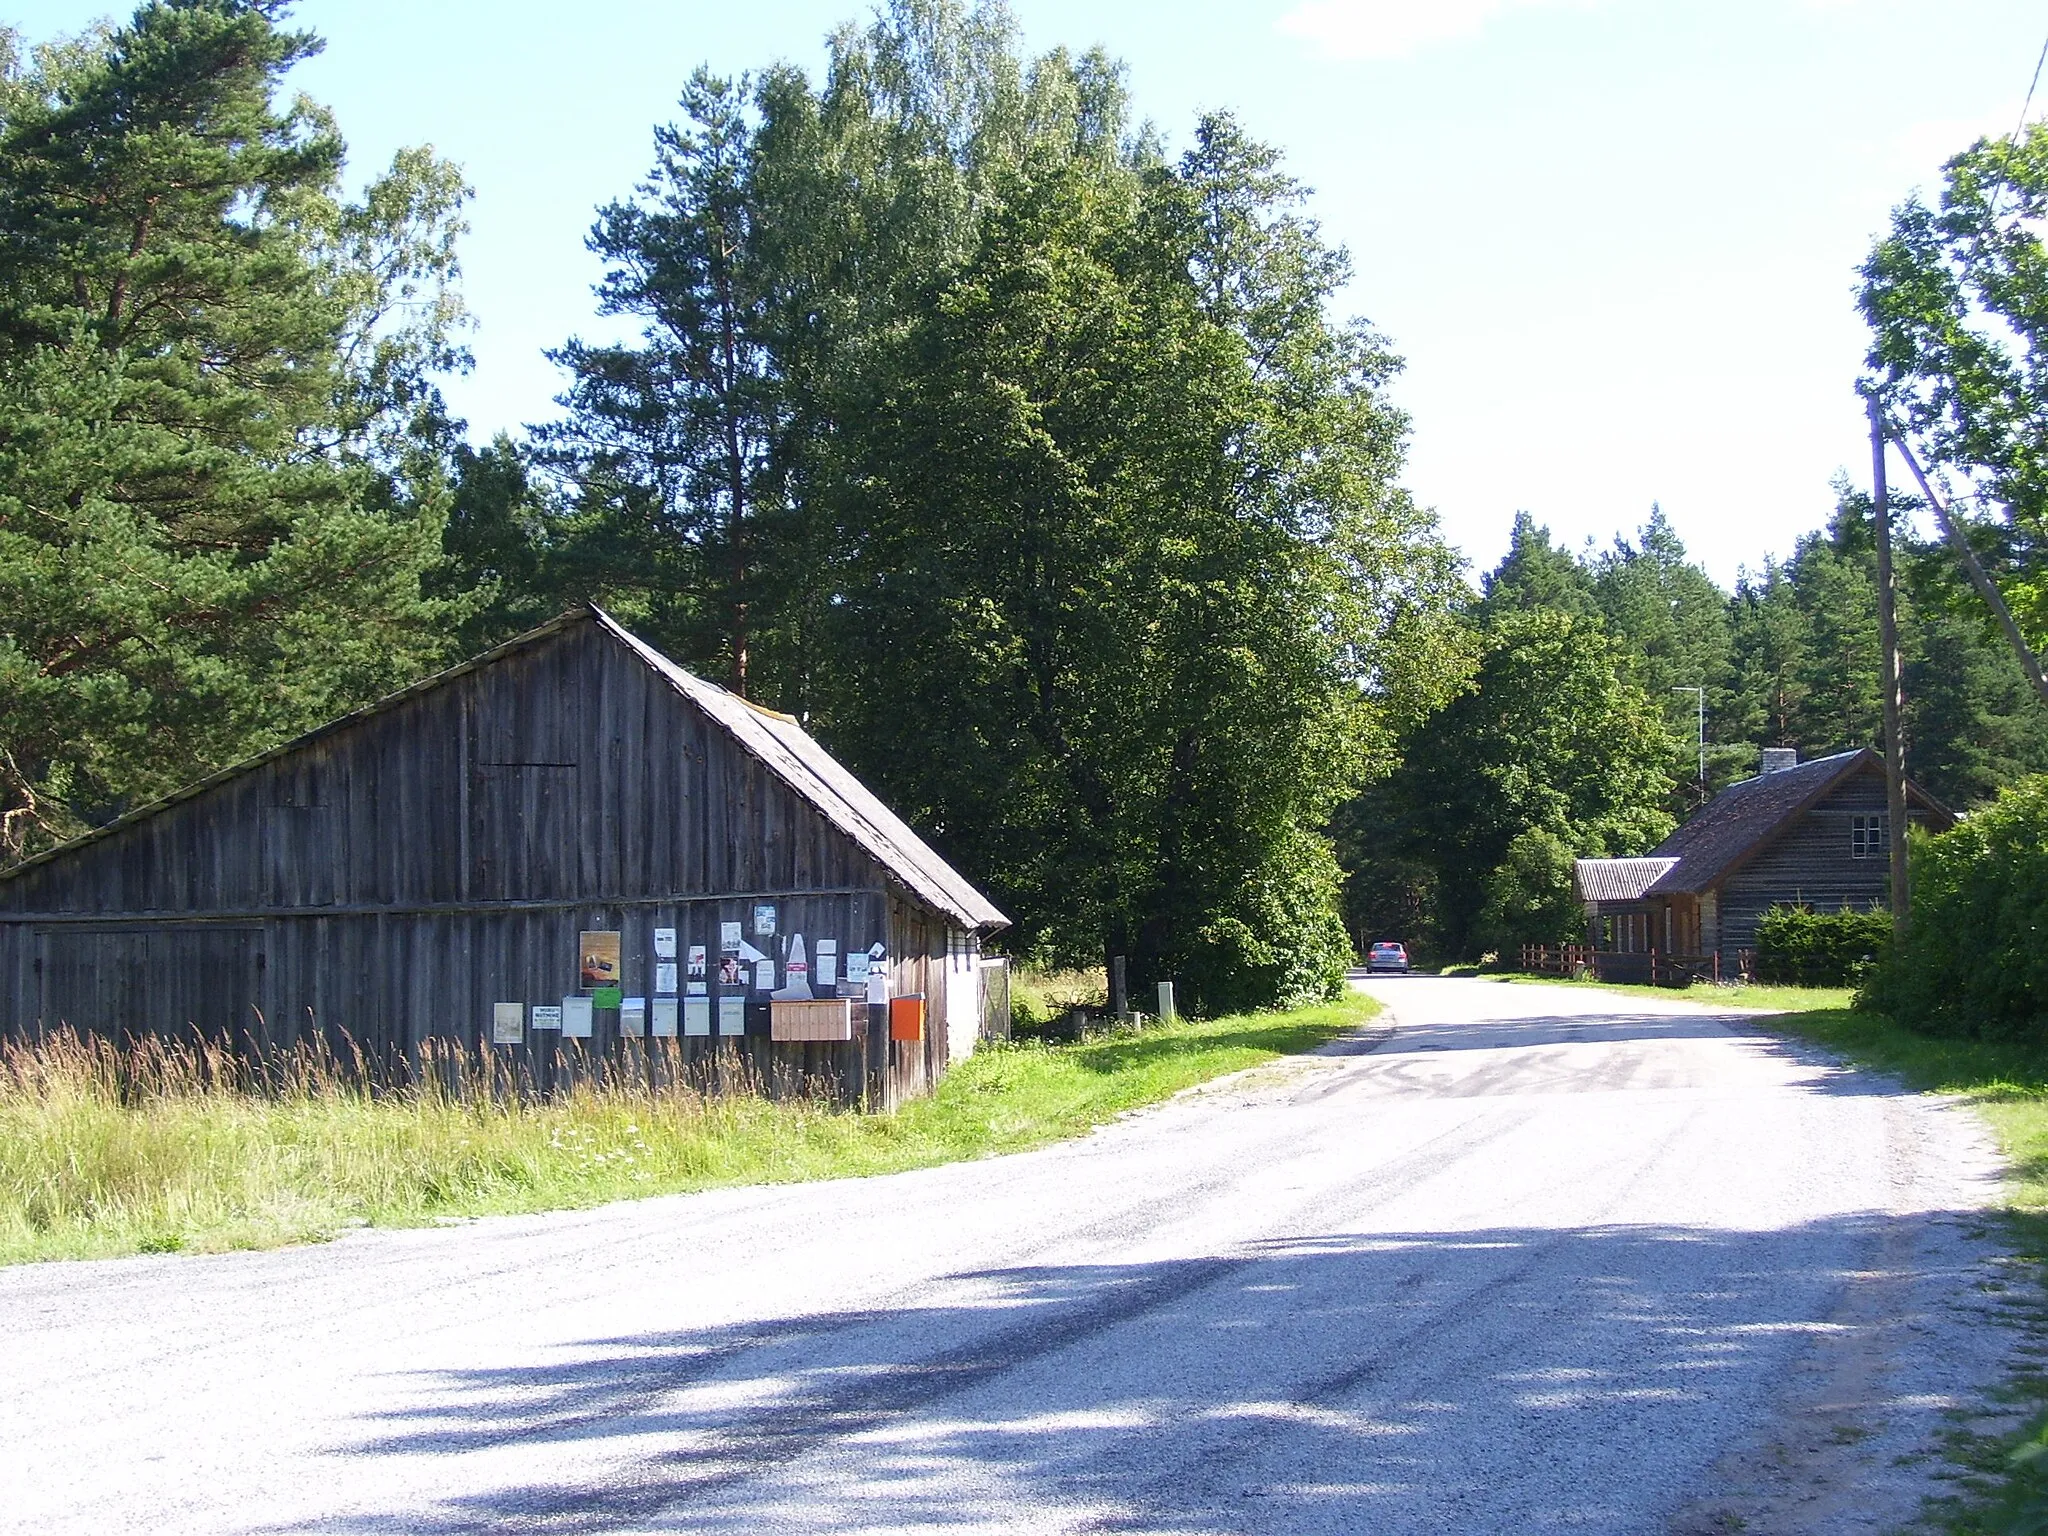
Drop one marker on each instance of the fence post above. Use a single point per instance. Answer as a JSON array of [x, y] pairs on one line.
[[1119, 991]]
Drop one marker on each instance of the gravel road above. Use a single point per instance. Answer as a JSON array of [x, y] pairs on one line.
[[1539, 1258]]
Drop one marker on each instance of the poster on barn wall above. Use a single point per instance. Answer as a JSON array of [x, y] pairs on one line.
[[576, 1018], [599, 964], [696, 973], [764, 920], [665, 976], [664, 943], [728, 938], [547, 1016], [828, 965], [508, 1023]]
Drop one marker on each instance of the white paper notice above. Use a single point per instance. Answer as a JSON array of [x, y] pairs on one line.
[[764, 976], [878, 984], [696, 988], [664, 943], [508, 1023], [665, 976], [732, 1015], [857, 968], [729, 938], [576, 1014], [664, 1018], [546, 1016], [828, 965], [696, 1015], [633, 1016]]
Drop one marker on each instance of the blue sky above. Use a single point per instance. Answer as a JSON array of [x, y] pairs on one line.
[[1615, 239]]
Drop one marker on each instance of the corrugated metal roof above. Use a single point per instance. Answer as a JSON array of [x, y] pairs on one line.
[[1618, 879], [793, 756]]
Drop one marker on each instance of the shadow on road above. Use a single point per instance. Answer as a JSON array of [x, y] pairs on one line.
[[1419, 1381]]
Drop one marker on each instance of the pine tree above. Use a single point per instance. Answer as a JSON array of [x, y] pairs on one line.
[[213, 523]]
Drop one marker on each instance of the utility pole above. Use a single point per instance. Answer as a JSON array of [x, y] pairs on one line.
[[1888, 639], [1701, 693]]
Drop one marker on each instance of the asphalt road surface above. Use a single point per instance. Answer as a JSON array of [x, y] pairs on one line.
[[1539, 1259]]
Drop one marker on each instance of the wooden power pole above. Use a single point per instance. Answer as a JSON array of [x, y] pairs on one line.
[[1888, 639]]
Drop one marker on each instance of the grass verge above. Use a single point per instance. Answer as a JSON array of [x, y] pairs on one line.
[[2004, 1483], [1733, 994], [90, 1170]]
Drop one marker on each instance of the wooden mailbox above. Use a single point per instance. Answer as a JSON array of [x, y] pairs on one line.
[[906, 1017], [825, 1018]]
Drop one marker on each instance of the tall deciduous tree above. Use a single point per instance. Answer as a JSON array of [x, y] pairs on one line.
[[1552, 736], [1071, 520], [213, 372]]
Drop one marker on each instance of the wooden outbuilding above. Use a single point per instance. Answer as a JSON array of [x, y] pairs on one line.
[[564, 845], [1814, 834]]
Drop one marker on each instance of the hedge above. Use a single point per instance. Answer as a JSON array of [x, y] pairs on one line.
[[1802, 947], [1975, 958]]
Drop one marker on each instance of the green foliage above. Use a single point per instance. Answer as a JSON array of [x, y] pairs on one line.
[[215, 383], [1553, 735], [1536, 573], [1531, 897], [1973, 963], [1957, 302], [1029, 470], [1797, 946]]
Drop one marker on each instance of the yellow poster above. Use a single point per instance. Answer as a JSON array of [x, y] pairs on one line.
[[600, 960]]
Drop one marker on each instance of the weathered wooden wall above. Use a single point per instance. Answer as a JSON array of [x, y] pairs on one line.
[[1812, 863], [398, 875]]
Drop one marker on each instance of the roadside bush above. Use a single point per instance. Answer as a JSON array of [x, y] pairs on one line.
[[1797, 946], [1975, 959], [1532, 897]]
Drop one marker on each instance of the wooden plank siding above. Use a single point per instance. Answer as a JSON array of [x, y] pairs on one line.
[[1812, 863], [389, 880]]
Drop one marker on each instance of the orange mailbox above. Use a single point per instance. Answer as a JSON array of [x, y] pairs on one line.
[[906, 1017]]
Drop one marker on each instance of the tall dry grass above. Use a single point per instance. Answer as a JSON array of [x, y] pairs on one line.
[[107, 1150]]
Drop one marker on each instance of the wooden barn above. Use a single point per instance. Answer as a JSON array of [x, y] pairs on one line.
[[549, 852], [1814, 833]]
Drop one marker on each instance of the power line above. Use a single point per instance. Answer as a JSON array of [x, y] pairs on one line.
[[2032, 86]]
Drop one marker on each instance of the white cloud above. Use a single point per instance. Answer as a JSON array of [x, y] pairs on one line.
[[1389, 29]]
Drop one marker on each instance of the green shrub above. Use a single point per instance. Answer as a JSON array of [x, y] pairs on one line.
[[1532, 898], [1797, 946], [1975, 959]]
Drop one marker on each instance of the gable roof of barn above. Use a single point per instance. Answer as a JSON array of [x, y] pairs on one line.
[[776, 740]]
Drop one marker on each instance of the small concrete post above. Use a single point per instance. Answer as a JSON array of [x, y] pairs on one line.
[[1167, 1012]]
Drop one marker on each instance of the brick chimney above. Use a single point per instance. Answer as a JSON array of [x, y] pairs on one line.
[[1778, 759]]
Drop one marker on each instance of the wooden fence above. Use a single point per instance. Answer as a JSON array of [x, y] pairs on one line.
[[1648, 966]]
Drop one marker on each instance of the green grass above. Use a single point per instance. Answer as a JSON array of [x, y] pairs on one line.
[[1733, 995], [91, 1167]]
